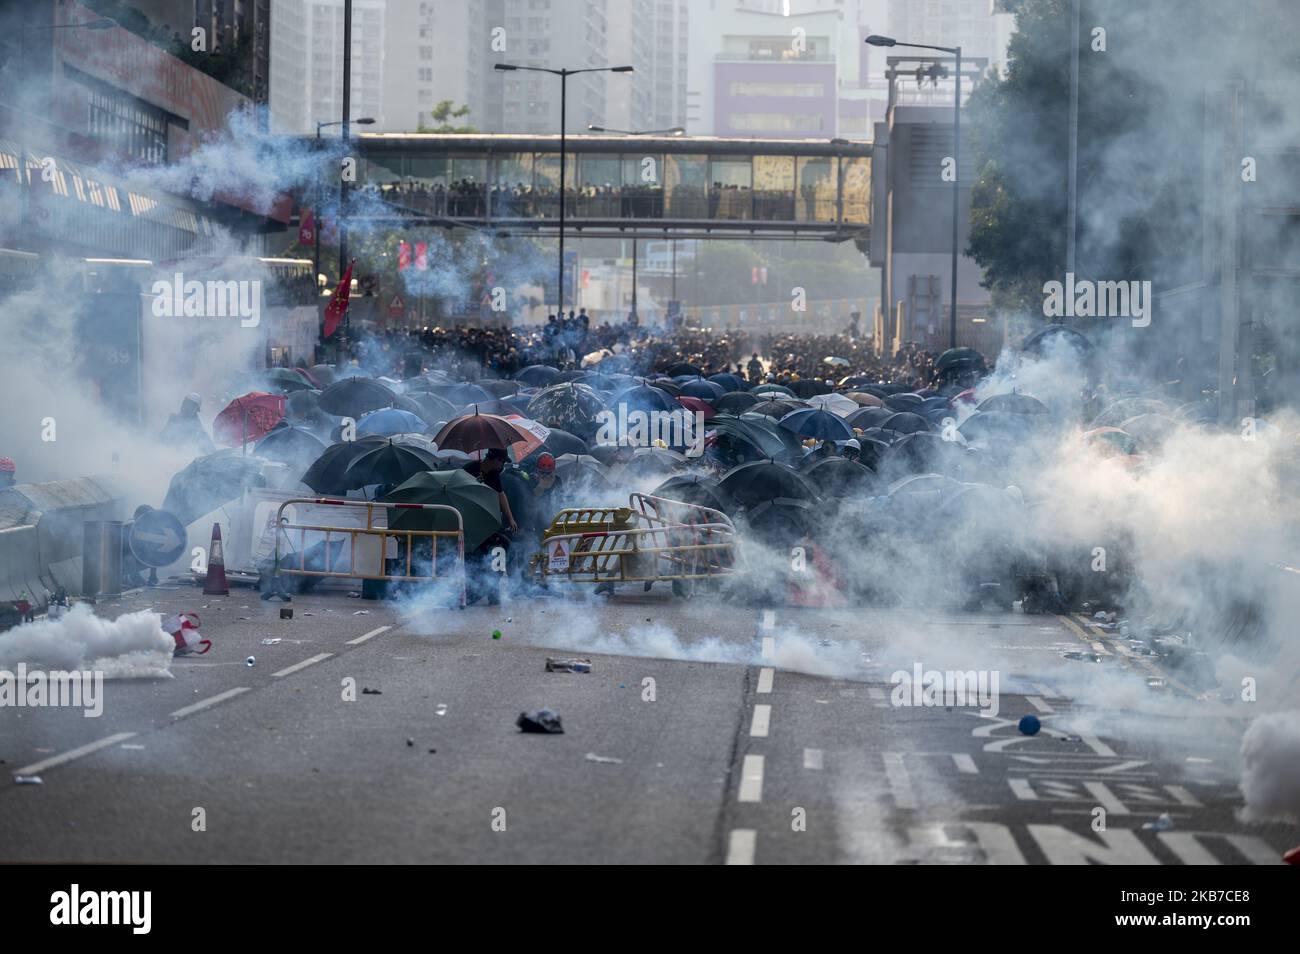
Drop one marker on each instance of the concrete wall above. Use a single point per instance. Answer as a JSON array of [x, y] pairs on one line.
[[41, 532]]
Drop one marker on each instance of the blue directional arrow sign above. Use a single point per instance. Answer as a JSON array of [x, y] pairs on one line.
[[157, 538]]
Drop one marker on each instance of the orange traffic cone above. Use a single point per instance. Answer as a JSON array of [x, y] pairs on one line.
[[215, 584]]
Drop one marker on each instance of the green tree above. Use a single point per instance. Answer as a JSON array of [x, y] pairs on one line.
[[442, 114]]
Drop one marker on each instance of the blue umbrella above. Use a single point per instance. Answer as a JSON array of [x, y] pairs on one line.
[[813, 422], [705, 390], [729, 382], [390, 420], [462, 394], [645, 397]]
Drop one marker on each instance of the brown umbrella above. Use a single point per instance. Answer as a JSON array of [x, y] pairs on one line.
[[476, 432]]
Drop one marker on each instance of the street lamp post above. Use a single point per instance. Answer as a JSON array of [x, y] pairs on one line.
[[875, 40], [366, 121], [564, 75]]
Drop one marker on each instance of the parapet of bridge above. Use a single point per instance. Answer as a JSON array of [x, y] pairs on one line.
[[676, 186]]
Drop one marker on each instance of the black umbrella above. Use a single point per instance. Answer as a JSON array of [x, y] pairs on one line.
[[1053, 336], [325, 476], [645, 397], [212, 480], [775, 409], [1013, 403], [432, 408], [353, 397], [289, 444], [389, 464], [841, 477], [807, 387], [906, 401], [538, 375], [499, 387], [322, 374], [869, 417], [904, 422], [560, 441], [698, 489], [682, 367], [735, 402], [919, 453], [761, 481]]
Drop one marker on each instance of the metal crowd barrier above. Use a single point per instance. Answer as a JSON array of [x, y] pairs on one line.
[[374, 547], [654, 539]]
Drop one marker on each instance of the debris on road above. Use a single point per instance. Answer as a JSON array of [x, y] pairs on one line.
[[1292, 857], [1087, 657], [270, 640], [605, 759], [361, 613], [410, 743], [250, 662], [1163, 823], [496, 634], [567, 665], [286, 612], [1029, 725], [28, 780], [367, 691], [441, 710], [540, 720]]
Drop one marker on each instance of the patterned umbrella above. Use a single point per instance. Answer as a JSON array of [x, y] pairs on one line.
[[248, 418]]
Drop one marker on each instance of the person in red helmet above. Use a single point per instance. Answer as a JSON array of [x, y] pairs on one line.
[[8, 472]]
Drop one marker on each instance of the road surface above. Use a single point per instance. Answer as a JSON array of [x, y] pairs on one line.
[[706, 733]]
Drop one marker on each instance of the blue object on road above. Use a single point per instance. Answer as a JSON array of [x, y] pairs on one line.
[[157, 538], [1029, 725]]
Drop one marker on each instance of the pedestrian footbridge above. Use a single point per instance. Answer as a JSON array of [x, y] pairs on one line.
[[675, 186]]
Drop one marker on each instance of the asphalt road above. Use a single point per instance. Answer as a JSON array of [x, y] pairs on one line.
[[706, 733]]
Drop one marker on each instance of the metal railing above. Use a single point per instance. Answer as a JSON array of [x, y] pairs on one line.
[[373, 541]]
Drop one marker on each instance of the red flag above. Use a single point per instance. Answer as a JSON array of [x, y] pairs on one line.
[[421, 255], [403, 256], [307, 227], [338, 305]]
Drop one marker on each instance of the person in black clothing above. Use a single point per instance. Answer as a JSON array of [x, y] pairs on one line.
[[479, 584], [488, 471]]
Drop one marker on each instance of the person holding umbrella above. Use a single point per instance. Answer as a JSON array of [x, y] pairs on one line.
[[488, 471]]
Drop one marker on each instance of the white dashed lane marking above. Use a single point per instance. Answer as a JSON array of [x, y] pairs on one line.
[[210, 701], [301, 665], [765, 679], [740, 848], [759, 725], [813, 759], [37, 767], [370, 635], [751, 779]]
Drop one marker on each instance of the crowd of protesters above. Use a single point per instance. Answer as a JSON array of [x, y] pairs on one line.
[[564, 341]]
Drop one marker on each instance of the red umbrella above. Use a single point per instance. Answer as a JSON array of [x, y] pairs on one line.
[[697, 404], [475, 432], [248, 418]]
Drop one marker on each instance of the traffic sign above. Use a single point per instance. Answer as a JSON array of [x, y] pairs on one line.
[[396, 307], [558, 551], [157, 538]]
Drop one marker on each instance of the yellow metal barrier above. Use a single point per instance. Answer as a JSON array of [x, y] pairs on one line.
[[371, 542], [654, 539]]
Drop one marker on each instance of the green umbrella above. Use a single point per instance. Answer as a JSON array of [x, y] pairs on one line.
[[476, 502]]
